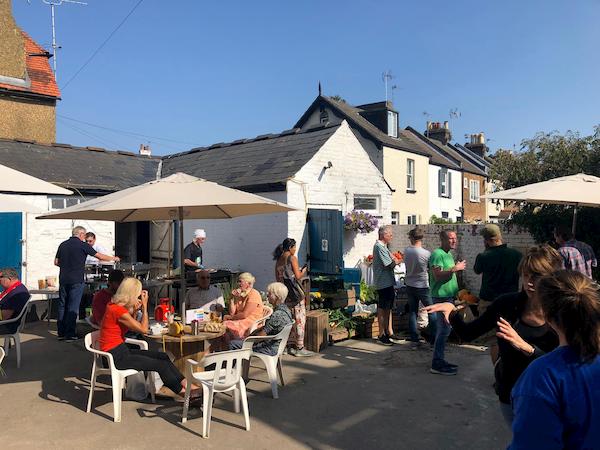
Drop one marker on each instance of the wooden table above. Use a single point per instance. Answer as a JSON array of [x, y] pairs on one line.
[[188, 346], [50, 293]]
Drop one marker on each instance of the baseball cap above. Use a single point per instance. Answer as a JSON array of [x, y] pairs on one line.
[[491, 231]]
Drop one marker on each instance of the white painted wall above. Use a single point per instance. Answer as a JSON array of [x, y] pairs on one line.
[[42, 238], [438, 204]]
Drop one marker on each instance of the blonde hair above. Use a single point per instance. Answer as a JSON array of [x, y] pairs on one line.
[[539, 261], [279, 291], [247, 276], [128, 292]]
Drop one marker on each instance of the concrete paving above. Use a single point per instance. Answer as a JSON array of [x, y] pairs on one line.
[[355, 394]]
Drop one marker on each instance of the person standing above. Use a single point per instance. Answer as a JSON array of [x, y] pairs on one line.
[[70, 257], [557, 399], [498, 265], [192, 253], [444, 288], [416, 260], [384, 281], [582, 259], [90, 238]]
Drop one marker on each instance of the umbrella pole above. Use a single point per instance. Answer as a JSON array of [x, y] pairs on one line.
[[182, 264], [574, 226]]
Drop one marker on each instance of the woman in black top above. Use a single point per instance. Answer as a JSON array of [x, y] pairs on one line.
[[522, 331]]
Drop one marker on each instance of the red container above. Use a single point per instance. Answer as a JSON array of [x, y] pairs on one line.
[[164, 308]]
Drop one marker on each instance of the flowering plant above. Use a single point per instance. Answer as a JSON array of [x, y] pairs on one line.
[[368, 259], [360, 221]]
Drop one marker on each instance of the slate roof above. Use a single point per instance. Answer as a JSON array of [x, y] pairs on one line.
[[260, 164], [466, 163], [91, 169], [42, 81], [405, 141]]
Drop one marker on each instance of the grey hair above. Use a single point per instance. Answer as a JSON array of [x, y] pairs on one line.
[[247, 276], [11, 273], [279, 291], [78, 229], [384, 229]]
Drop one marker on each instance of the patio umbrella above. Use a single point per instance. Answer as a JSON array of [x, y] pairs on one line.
[[179, 196], [12, 180], [8, 203], [576, 190]]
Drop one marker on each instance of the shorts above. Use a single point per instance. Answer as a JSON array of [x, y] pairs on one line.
[[386, 297]]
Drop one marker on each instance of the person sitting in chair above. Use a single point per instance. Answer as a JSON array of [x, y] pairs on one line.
[[12, 299], [282, 316], [104, 296], [205, 296]]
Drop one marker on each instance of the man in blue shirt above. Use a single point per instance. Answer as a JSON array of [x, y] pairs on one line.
[[70, 257]]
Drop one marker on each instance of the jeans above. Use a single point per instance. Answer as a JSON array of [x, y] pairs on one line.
[[416, 295], [441, 335], [265, 347], [148, 361], [68, 308]]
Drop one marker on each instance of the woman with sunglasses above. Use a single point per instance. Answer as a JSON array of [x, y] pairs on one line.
[[557, 400], [522, 331], [118, 319]]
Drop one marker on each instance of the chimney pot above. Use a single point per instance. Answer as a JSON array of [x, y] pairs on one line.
[[446, 126], [145, 150]]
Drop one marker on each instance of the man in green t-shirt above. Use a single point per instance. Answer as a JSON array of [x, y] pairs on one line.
[[444, 288]]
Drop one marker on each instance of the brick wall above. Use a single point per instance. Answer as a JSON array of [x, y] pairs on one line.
[[474, 211], [28, 119], [470, 243]]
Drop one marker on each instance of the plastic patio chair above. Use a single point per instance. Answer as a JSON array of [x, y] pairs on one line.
[[117, 376], [272, 363], [267, 311], [226, 377], [15, 336], [2, 354]]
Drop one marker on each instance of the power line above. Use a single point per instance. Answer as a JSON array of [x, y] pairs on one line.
[[131, 133], [92, 136], [103, 44]]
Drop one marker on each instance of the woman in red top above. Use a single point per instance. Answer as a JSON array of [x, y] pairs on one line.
[[118, 319]]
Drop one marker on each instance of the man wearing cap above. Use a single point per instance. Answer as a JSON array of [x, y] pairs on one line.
[[193, 252], [498, 265]]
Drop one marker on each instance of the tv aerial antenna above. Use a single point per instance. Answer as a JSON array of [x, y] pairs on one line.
[[55, 47], [387, 76]]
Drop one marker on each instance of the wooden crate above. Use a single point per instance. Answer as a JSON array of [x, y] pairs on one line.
[[369, 328], [340, 334], [316, 332]]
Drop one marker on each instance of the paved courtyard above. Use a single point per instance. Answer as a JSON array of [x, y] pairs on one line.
[[356, 394]]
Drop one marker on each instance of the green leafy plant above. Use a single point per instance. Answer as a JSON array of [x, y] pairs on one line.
[[368, 294], [341, 319]]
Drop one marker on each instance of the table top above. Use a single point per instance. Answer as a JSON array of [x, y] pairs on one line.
[[47, 291], [202, 336]]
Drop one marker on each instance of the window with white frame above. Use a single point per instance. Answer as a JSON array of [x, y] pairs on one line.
[[474, 190], [56, 203], [410, 174], [367, 203], [444, 183], [466, 183], [392, 127], [412, 219], [395, 217]]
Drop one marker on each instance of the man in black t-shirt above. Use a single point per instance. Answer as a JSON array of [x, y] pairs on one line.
[[70, 257], [192, 253]]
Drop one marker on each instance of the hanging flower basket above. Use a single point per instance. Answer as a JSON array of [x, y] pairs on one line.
[[360, 222]]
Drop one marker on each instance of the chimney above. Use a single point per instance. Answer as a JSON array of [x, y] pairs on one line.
[[477, 144], [438, 131], [382, 115], [145, 150]]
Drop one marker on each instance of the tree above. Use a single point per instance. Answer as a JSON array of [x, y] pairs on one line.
[[338, 98], [543, 157]]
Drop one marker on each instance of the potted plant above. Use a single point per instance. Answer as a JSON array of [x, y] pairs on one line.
[[360, 222]]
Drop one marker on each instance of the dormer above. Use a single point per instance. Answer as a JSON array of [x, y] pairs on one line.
[[382, 115]]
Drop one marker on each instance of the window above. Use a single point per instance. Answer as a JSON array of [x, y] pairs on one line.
[[474, 190], [368, 203], [444, 183], [445, 214], [392, 125], [323, 116], [410, 174], [466, 183], [395, 217], [412, 220], [64, 202], [458, 219]]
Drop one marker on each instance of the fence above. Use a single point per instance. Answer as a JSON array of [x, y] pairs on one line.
[[470, 243]]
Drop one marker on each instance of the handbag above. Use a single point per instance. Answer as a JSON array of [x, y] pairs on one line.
[[295, 291]]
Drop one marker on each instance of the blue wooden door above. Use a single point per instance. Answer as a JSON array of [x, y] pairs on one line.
[[325, 236], [11, 247]]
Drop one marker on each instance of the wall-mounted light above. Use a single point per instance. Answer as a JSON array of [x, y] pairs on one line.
[[328, 166]]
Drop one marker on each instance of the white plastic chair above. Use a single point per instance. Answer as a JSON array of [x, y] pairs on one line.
[[15, 336], [2, 354], [226, 377], [267, 311], [272, 363], [117, 376]]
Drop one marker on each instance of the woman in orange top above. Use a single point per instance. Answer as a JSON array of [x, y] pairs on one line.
[[246, 307], [118, 319]]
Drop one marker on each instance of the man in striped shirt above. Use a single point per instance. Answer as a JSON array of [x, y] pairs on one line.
[[576, 255]]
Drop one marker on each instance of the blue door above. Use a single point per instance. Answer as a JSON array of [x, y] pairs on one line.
[[11, 246], [325, 236]]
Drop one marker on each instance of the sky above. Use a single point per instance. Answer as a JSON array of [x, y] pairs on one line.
[[187, 73]]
